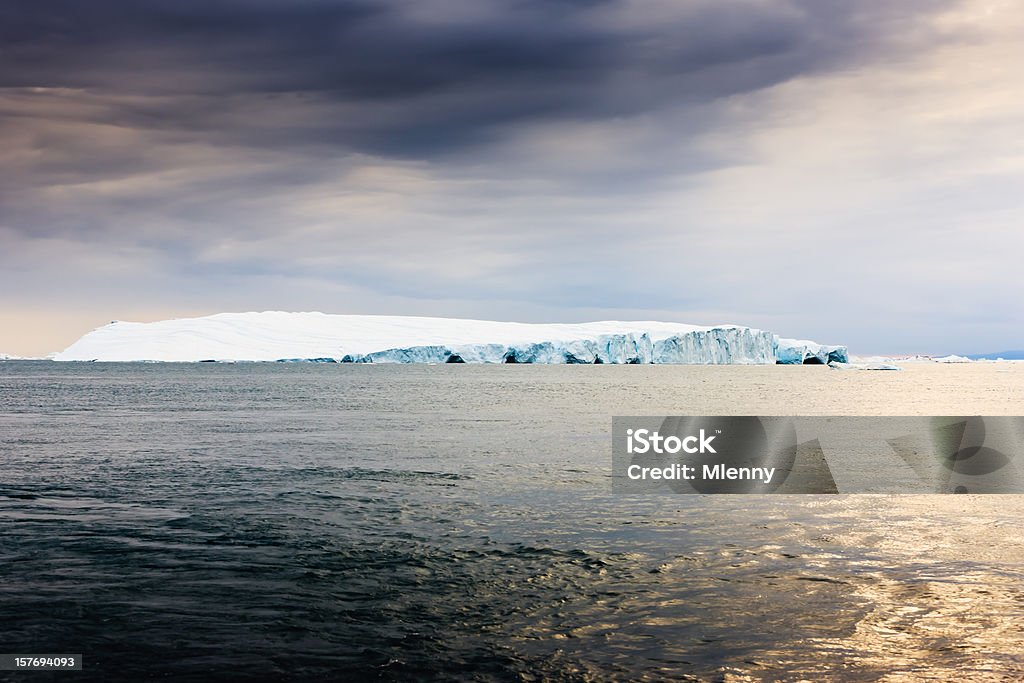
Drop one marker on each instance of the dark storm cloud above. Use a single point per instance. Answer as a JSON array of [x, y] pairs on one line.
[[699, 160], [413, 79]]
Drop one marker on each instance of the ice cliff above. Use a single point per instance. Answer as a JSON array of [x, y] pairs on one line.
[[804, 351], [279, 336]]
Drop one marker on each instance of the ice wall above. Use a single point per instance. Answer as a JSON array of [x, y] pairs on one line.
[[279, 336], [804, 351]]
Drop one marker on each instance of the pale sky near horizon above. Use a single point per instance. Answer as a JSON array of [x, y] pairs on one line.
[[847, 172]]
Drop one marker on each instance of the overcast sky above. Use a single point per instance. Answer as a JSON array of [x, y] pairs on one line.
[[851, 172]]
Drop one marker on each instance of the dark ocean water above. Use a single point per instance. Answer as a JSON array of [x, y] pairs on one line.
[[336, 522]]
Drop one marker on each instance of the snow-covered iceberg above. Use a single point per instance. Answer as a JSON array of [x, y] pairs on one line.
[[280, 336], [804, 351]]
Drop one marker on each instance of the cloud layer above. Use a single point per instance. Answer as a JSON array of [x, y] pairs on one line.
[[838, 170]]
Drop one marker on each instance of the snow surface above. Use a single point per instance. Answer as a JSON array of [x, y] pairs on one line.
[[281, 336]]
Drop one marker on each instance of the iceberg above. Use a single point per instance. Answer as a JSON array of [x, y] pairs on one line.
[[318, 337], [806, 352]]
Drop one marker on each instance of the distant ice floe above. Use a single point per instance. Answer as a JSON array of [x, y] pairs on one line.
[[317, 337], [6, 356], [896, 362], [863, 366]]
